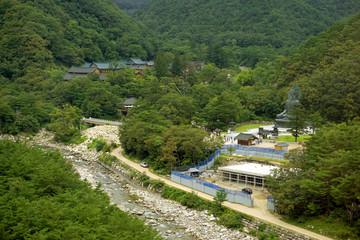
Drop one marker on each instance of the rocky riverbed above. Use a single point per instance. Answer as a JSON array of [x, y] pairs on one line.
[[195, 224]]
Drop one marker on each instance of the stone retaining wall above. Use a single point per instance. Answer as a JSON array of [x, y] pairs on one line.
[[254, 122], [282, 233]]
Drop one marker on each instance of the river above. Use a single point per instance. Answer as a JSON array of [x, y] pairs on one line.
[[117, 190]]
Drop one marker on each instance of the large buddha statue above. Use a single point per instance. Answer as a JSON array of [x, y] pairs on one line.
[[283, 118]]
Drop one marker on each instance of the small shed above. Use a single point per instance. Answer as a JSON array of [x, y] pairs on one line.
[[245, 139], [282, 146], [263, 133]]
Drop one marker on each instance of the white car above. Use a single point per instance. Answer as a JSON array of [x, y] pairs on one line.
[[144, 165]]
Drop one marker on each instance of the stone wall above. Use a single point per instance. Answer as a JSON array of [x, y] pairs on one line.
[[254, 122], [281, 232]]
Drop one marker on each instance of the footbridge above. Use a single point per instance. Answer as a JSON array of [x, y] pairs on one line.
[[97, 121]]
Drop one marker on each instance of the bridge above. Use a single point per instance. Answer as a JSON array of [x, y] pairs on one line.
[[97, 121]]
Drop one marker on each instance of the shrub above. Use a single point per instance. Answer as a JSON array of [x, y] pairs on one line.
[[143, 177], [100, 144], [157, 185], [231, 219], [267, 232], [191, 200]]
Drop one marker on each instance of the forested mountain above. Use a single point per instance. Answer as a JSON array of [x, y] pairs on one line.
[[326, 70], [247, 30], [131, 6], [37, 34]]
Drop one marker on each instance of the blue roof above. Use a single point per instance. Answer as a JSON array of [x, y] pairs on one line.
[[86, 64], [110, 65], [136, 61]]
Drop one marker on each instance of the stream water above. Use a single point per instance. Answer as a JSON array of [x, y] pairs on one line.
[[120, 196]]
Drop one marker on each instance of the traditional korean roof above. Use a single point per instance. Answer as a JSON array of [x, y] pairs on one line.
[[110, 65], [244, 136], [129, 101], [217, 130], [87, 64], [81, 70], [136, 61], [150, 63], [263, 131]]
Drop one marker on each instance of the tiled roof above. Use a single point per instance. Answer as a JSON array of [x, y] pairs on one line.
[[129, 101], [136, 61], [244, 136], [110, 65], [81, 70]]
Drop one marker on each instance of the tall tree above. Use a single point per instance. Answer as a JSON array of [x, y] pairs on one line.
[[297, 121], [65, 122]]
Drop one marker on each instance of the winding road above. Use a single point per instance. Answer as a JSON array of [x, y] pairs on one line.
[[257, 213]]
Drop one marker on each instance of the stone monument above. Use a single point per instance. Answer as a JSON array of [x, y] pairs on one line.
[[282, 119]]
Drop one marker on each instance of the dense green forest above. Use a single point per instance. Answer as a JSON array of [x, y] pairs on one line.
[[42, 198], [247, 31], [131, 6], [37, 35], [166, 128]]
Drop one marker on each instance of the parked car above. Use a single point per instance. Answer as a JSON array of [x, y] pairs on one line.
[[247, 190], [144, 165]]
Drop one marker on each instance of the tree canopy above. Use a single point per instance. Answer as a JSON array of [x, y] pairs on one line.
[[244, 31], [41, 197]]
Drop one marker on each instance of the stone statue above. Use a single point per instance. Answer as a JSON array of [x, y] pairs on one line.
[[283, 118]]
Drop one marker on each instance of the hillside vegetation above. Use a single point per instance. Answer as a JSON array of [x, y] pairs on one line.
[[131, 6], [325, 69], [247, 30], [42, 198], [37, 34]]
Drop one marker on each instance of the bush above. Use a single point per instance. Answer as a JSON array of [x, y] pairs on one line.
[[157, 185], [109, 160], [100, 144], [266, 232], [191, 200], [143, 177], [231, 219]]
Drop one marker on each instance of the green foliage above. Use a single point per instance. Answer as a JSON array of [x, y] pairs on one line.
[[42, 197], [244, 32], [323, 179], [231, 219], [157, 185], [221, 197], [109, 160], [37, 34], [65, 123], [266, 232], [297, 122], [100, 145], [191, 200], [130, 6]]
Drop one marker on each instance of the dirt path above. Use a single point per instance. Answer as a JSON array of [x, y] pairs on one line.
[[265, 216]]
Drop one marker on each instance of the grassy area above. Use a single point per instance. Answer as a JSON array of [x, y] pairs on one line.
[[290, 138], [245, 128], [328, 226]]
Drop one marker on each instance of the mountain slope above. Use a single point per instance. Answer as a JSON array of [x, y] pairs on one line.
[[250, 29], [131, 6], [326, 69], [40, 33]]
